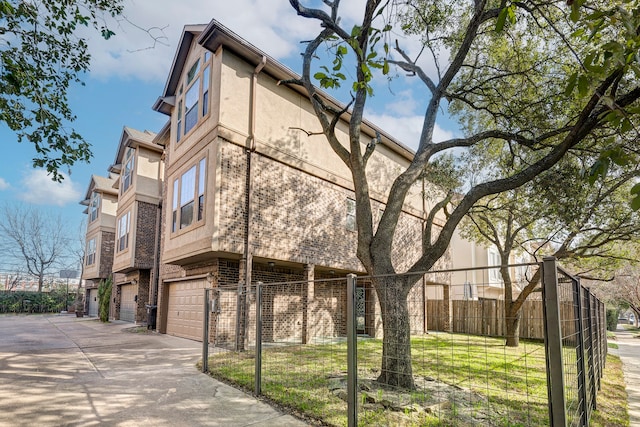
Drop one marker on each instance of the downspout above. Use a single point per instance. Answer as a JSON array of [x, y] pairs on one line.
[[248, 251], [424, 280]]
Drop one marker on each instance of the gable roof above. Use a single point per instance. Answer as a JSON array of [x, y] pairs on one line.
[[133, 138], [214, 35], [99, 184]]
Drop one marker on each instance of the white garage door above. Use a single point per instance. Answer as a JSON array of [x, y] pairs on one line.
[[128, 303], [184, 316], [93, 302]]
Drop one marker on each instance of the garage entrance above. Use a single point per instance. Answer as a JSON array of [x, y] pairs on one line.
[[128, 302], [185, 305]]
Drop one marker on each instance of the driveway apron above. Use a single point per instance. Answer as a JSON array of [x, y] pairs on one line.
[[59, 370]]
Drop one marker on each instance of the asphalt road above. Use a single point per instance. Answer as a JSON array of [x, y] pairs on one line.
[[59, 370]]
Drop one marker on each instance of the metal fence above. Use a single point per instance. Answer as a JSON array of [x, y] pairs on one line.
[[321, 348]]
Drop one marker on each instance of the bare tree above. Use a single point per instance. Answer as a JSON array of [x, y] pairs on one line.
[[33, 238]]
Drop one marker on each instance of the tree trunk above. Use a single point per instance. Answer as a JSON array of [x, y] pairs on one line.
[[513, 330], [396, 343]]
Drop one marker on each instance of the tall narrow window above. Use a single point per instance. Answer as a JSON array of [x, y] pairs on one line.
[[191, 98], [91, 252], [351, 215], [187, 195], [174, 207], [94, 206], [205, 91], [202, 173], [127, 173], [179, 122], [123, 231]]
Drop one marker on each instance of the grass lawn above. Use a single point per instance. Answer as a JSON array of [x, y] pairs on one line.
[[460, 380]]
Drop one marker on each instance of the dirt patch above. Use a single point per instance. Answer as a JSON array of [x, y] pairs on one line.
[[138, 330]]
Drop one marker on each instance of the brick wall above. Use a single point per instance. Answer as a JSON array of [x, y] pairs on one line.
[[146, 229], [297, 217], [107, 247]]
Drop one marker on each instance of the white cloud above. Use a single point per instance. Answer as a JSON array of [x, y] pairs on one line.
[[39, 189], [271, 26], [3, 184], [407, 129]]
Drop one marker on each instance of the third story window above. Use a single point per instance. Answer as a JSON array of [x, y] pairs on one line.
[[94, 206], [127, 173], [193, 96]]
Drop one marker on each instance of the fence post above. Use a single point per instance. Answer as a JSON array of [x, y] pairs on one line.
[[352, 353], [594, 365], [580, 353], [258, 367], [553, 344], [205, 332]]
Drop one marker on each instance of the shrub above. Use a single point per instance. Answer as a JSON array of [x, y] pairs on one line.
[[104, 298], [612, 319]]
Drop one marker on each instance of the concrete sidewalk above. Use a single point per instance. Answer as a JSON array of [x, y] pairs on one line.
[[629, 352], [61, 370]]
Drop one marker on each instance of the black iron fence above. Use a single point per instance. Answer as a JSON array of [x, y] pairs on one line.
[[346, 352]]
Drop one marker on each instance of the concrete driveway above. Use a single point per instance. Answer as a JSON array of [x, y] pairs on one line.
[[58, 370]]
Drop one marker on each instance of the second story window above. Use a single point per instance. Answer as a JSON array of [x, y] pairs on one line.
[[127, 172], [188, 197], [123, 231], [94, 206], [351, 215], [91, 252]]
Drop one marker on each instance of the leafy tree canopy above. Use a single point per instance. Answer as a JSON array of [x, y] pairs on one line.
[[41, 55]]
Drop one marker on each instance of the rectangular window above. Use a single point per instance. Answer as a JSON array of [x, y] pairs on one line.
[[201, 181], [174, 207], [191, 106], [94, 206], [351, 215], [179, 122], [189, 197], [91, 251], [494, 260], [205, 91], [127, 173], [123, 231]]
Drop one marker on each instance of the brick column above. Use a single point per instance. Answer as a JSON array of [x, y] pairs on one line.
[[308, 304]]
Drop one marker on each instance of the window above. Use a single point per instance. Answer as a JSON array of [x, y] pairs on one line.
[[91, 252], [127, 173], [123, 231], [188, 198], [351, 215], [494, 260], [193, 101], [94, 206]]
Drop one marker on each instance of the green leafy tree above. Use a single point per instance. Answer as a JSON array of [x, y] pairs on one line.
[[41, 55], [104, 299], [542, 77], [587, 226]]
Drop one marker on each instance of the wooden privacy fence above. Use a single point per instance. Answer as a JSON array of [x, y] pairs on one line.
[[486, 317]]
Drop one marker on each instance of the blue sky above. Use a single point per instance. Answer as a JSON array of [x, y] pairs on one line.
[[128, 73]]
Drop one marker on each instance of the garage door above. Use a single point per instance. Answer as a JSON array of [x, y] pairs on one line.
[[185, 305], [93, 302], [128, 303]]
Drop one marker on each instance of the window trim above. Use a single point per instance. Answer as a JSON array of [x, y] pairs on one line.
[[198, 74], [122, 241], [127, 169], [94, 206], [351, 213], [91, 255], [198, 200]]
